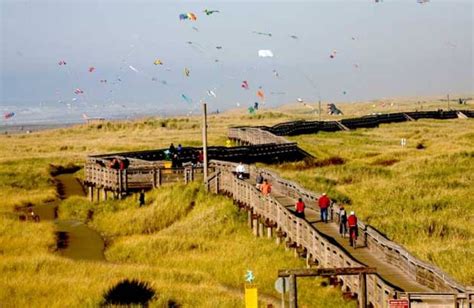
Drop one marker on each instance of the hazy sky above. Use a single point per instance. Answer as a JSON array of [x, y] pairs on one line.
[[393, 48]]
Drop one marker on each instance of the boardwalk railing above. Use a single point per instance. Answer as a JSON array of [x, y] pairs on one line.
[[298, 232], [422, 272], [252, 135]]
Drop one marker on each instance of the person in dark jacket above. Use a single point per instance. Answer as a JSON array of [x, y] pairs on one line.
[[342, 221], [141, 198]]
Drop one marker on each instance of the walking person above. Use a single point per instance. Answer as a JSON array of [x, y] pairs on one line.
[[299, 208], [266, 188], [324, 203], [141, 198], [342, 221], [353, 230], [240, 170], [259, 180]]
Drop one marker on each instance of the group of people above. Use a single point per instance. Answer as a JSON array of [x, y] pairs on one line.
[[347, 223], [177, 155]]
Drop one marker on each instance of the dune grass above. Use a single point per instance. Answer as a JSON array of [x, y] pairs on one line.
[[197, 253], [420, 198]]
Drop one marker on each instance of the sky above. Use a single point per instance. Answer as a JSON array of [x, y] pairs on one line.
[[392, 48]]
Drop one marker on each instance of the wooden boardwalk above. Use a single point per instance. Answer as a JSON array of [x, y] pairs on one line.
[[361, 254]]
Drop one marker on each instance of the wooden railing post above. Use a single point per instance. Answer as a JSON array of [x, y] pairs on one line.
[[293, 292], [159, 179], [154, 178], [126, 180], [362, 290]]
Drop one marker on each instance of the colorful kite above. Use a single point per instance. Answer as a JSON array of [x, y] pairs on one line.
[[78, 91], [210, 12], [186, 72], [8, 115], [62, 62], [251, 110], [158, 62], [294, 37], [91, 69], [185, 16], [245, 85], [260, 94]]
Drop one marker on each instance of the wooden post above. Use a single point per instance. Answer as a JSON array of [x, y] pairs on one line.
[[293, 292], [105, 194], [278, 238], [91, 194], [159, 177], [269, 232], [255, 226], [249, 218], [154, 178], [260, 228], [98, 194], [455, 300], [126, 180], [362, 290], [204, 143], [120, 183]]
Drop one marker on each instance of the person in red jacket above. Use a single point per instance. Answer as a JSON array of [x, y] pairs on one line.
[[353, 230], [324, 203], [299, 208]]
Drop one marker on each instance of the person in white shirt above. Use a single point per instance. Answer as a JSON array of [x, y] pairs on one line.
[[240, 170]]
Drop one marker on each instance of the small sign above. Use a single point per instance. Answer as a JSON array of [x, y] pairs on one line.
[[398, 303], [251, 296], [281, 285]]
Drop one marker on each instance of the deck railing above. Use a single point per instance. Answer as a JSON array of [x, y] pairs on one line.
[[422, 272]]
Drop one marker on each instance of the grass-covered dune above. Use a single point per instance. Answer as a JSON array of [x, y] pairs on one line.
[[191, 248], [420, 196], [195, 249]]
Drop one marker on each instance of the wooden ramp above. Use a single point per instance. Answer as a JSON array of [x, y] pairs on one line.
[[388, 272]]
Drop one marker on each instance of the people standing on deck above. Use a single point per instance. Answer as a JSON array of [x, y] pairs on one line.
[[266, 188], [240, 170], [324, 203], [180, 149], [299, 208], [352, 223], [172, 149], [259, 180], [141, 198], [200, 158], [342, 221]]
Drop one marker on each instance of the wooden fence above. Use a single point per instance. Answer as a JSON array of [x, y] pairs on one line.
[[317, 247], [254, 135]]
